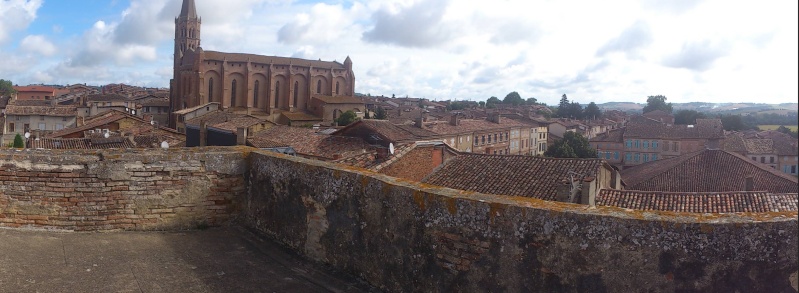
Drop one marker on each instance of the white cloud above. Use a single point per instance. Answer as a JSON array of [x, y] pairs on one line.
[[16, 15], [38, 44]]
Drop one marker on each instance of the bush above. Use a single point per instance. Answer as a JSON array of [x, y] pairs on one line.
[[18, 142]]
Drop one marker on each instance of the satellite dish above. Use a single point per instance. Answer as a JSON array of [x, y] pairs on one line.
[[152, 122], [391, 148], [164, 145], [27, 135], [106, 135]]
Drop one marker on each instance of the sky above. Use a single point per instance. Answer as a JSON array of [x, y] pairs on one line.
[[602, 51]]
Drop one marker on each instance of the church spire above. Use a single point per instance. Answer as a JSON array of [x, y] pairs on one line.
[[188, 9]]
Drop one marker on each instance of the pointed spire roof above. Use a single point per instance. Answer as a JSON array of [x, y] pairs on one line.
[[188, 9]]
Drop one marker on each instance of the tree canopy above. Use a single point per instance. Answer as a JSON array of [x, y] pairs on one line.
[[687, 117], [563, 107], [18, 143], [734, 123], [380, 113], [573, 145], [513, 98], [532, 101], [492, 102], [657, 103], [592, 111], [346, 118], [6, 88]]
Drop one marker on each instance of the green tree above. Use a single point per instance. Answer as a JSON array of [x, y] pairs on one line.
[[575, 111], [482, 104], [513, 98], [346, 118], [733, 123], [6, 88], [788, 131], [492, 102], [563, 107], [573, 145], [592, 111], [657, 103], [380, 113], [18, 143], [532, 101], [687, 117]]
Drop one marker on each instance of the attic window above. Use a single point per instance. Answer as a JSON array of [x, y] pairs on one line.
[[374, 137]]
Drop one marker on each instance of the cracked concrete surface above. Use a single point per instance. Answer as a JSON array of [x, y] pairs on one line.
[[216, 260]]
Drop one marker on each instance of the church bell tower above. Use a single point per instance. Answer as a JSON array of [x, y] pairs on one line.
[[187, 37]]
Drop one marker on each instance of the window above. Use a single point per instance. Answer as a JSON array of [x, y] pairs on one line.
[[255, 94], [646, 157], [337, 88], [763, 160], [495, 137], [41, 118], [675, 146], [615, 155], [666, 146], [277, 93], [211, 89], [476, 140], [42, 126], [628, 157], [793, 169], [646, 144], [637, 157], [771, 159], [628, 143], [296, 93], [319, 86], [233, 93], [489, 139], [64, 119], [654, 144], [483, 140], [12, 127], [654, 157], [636, 144], [59, 126], [607, 155]]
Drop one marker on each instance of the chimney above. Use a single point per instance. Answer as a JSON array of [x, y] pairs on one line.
[[454, 120], [563, 192], [382, 154], [241, 135], [588, 192], [494, 117], [399, 111], [129, 136], [93, 110], [203, 134], [750, 183], [419, 122], [424, 116]]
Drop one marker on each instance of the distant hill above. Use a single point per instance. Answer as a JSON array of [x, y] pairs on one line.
[[718, 108]]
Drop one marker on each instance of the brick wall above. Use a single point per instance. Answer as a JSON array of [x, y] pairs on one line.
[[119, 189], [409, 237]]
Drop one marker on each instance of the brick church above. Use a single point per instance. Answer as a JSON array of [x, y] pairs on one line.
[[261, 85]]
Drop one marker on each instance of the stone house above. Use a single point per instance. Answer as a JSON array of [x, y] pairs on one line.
[[190, 113], [22, 119]]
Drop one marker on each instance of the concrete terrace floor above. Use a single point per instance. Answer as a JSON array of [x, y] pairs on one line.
[[229, 259]]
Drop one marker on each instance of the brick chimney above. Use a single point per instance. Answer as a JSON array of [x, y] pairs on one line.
[[494, 117], [454, 120], [241, 135], [419, 122], [203, 134], [563, 192]]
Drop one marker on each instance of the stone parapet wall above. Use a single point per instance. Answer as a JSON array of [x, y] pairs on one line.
[[408, 237], [120, 189]]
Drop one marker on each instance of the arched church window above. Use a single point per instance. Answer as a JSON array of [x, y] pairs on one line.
[[337, 88], [277, 93], [211, 89], [319, 86], [255, 94], [233, 94], [296, 92]]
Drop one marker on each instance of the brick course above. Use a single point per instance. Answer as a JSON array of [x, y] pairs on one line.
[[119, 189]]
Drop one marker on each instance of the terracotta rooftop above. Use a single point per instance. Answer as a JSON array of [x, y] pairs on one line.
[[195, 108], [647, 128], [116, 142], [394, 133], [472, 125], [700, 202], [527, 176], [263, 142], [306, 141], [282, 61], [34, 88], [236, 122], [40, 103], [369, 160], [41, 110], [300, 116], [106, 98], [613, 135], [338, 99], [707, 171]]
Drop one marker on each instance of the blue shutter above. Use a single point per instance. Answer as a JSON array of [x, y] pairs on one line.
[[615, 155]]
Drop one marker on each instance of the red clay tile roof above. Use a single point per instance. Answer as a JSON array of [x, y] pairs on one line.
[[34, 88], [263, 142], [195, 108], [106, 98], [300, 116], [239, 121], [282, 61], [527, 176], [116, 142], [784, 144], [699, 202], [472, 125], [759, 146], [656, 113], [40, 103], [734, 142], [707, 171], [613, 135], [643, 127], [369, 159], [338, 99], [306, 141], [386, 129], [41, 110]]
